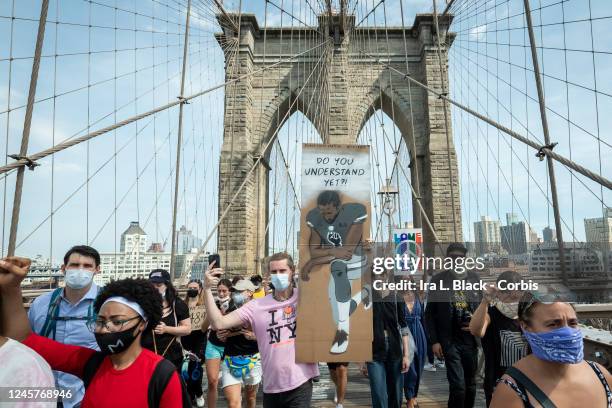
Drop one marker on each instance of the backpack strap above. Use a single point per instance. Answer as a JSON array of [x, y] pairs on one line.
[[52, 314], [164, 370], [50, 325], [527, 384], [91, 367], [91, 315]]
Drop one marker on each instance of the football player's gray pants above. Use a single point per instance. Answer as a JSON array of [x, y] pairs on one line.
[[340, 290]]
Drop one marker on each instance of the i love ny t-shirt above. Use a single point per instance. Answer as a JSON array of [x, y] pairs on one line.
[[274, 325]]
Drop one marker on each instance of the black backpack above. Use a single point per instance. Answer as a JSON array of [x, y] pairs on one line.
[[157, 384]]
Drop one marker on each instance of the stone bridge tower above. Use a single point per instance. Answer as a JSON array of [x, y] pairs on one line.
[[353, 85]]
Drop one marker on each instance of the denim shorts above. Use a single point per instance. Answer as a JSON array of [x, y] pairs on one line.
[[213, 352], [252, 378]]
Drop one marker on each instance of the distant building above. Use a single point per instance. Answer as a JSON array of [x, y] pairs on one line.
[[42, 273], [517, 236], [186, 241], [549, 234], [156, 247], [134, 239], [189, 267], [135, 261], [533, 237], [486, 236], [599, 230], [511, 218], [130, 265], [580, 260]]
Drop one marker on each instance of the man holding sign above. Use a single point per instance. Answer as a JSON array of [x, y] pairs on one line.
[[336, 230], [286, 384]]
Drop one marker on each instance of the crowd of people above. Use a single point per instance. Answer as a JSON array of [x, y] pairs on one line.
[[131, 343]]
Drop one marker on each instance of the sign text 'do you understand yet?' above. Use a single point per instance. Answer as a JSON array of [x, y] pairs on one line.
[[331, 167]]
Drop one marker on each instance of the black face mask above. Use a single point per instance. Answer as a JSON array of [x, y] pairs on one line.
[[113, 343], [192, 293]]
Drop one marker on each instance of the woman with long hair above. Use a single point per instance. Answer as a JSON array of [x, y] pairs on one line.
[[414, 311], [175, 322], [216, 343], [194, 343], [555, 373], [121, 374]]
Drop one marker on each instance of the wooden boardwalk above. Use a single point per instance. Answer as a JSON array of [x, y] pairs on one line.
[[433, 391]]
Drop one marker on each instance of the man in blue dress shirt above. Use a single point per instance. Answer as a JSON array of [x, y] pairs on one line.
[[62, 314]]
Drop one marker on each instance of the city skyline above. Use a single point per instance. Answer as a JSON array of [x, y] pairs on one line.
[[489, 232]]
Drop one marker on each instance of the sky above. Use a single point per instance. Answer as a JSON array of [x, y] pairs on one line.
[[91, 77]]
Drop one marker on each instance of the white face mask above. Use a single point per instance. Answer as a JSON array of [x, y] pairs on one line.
[[510, 310], [78, 278]]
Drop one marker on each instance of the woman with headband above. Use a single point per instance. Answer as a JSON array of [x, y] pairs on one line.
[[123, 373], [555, 373]]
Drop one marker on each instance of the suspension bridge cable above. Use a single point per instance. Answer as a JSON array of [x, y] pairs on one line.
[[25, 137], [21, 163], [544, 150]]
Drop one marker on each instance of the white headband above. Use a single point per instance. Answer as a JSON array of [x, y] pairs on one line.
[[128, 303]]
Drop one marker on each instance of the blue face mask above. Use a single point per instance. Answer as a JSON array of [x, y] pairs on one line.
[[280, 281], [238, 299], [563, 345]]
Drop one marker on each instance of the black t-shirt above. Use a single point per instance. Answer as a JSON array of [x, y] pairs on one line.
[[503, 345], [461, 317], [239, 345], [448, 310], [195, 342], [176, 314]]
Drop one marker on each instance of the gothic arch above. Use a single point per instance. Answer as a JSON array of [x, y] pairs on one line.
[[393, 105], [278, 112]]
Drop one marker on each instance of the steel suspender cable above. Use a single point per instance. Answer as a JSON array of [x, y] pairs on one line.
[[25, 137], [549, 162]]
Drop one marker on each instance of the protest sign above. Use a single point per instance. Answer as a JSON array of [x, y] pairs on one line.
[[334, 319]]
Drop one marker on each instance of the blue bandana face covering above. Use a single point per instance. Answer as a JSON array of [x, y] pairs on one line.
[[563, 345]]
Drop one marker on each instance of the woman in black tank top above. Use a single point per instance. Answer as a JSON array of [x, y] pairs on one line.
[[554, 374]]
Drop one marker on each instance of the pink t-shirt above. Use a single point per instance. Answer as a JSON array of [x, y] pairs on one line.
[[274, 325]]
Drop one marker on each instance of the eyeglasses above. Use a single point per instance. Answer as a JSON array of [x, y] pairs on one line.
[[113, 325]]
